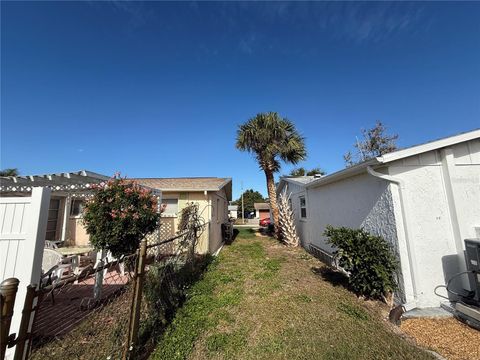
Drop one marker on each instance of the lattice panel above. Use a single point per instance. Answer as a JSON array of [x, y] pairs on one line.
[[167, 228]]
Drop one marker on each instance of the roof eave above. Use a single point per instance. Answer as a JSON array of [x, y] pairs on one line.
[[345, 173], [430, 146]]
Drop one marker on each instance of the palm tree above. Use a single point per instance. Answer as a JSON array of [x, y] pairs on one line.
[[9, 172], [271, 139]]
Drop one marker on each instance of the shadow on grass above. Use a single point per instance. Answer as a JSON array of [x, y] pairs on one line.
[[165, 291], [334, 277], [235, 234]]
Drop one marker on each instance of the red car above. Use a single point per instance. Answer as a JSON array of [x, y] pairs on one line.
[[265, 222]]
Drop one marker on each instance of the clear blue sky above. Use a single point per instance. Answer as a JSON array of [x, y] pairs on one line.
[[158, 89]]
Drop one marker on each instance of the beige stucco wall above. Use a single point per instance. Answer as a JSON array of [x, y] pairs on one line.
[[76, 233], [203, 202], [213, 207]]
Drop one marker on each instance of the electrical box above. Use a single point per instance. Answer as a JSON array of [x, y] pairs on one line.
[[472, 258]]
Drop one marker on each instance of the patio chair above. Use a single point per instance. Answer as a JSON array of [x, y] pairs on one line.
[[52, 244], [54, 265]]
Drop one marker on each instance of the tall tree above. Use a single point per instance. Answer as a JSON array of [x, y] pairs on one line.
[[250, 197], [9, 172], [375, 142], [301, 171], [271, 139]]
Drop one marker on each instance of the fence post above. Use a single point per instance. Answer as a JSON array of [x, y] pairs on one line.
[[25, 324], [137, 296], [8, 292]]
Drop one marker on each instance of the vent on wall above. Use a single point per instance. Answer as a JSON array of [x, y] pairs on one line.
[[322, 255]]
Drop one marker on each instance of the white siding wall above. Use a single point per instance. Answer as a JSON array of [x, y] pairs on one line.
[[361, 201], [439, 219]]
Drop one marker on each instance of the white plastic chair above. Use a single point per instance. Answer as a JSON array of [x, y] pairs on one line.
[[54, 265]]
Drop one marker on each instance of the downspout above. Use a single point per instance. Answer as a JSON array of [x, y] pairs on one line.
[[411, 254]]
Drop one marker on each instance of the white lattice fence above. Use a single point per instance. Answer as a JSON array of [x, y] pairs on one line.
[[165, 231]]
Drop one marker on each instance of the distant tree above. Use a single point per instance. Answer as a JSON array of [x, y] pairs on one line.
[[375, 142], [271, 139], [250, 197], [301, 171], [9, 172]]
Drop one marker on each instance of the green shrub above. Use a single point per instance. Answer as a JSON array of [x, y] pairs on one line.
[[367, 258]]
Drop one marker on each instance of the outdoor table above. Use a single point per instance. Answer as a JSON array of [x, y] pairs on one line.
[[75, 252]]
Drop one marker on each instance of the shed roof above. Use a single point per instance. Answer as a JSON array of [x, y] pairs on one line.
[[261, 206]]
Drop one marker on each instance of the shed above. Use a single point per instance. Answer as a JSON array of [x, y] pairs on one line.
[[262, 210]]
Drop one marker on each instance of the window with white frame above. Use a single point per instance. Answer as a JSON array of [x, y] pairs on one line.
[[303, 207], [171, 208]]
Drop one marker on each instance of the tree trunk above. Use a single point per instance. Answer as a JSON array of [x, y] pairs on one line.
[[272, 195]]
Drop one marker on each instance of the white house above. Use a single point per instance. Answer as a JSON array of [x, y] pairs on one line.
[[233, 211], [424, 200]]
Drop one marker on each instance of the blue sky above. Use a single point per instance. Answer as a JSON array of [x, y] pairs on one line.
[[157, 89]]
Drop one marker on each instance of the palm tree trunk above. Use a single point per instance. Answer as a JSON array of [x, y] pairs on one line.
[[272, 195]]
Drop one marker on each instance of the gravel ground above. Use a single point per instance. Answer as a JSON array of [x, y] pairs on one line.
[[448, 337]]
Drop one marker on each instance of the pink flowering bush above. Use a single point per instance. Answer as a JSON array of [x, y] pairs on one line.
[[119, 215]]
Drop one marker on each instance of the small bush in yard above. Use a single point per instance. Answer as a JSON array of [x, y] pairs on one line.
[[367, 258]]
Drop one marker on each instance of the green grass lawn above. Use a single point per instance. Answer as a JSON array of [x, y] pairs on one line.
[[260, 300]]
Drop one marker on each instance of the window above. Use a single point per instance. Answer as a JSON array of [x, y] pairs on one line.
[[76, 207], [53, 211], [303, 207], [217, 210], [172, 207]]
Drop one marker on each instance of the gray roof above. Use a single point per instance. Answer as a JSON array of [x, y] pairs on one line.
[[188, 184], [261, 206]]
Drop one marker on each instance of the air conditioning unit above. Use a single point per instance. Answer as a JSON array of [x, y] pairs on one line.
[[468, 308], [472, 258]]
